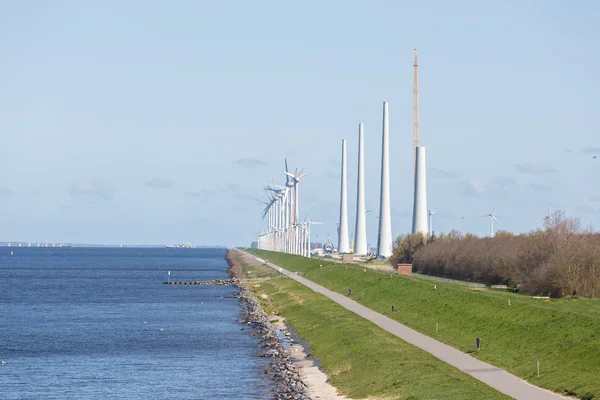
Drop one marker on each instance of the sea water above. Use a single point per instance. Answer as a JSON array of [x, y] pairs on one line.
[[97, 323]]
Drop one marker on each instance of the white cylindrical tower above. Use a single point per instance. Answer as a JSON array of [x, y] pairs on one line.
[[384, 238], [343, 246], [360, 234], [420, 199]]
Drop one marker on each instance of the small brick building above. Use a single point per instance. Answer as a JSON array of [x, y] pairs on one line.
[[405, 269]]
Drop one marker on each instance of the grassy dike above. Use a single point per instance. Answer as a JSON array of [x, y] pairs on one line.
[[563, 335], [362, 360]]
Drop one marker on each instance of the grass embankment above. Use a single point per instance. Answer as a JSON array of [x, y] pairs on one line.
[[563, 335], [362, 360]]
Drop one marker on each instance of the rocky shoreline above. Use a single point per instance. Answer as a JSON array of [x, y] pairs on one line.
[[281, 369], [218, 282]]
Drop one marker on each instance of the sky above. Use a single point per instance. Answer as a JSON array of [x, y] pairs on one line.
[[156, 122]]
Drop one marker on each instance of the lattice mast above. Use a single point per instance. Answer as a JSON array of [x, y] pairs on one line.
[[415, 112]]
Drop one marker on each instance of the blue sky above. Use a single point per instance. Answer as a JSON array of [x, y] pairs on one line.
[[153, 122]]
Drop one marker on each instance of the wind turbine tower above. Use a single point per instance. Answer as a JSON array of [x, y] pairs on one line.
[[492, 216], [420, 200], [384, 237], [360, 235], [415, 113], [431, 214], [343, 246]]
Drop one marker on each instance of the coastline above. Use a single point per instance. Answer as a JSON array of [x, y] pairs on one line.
[[281, 370], [311, 374]]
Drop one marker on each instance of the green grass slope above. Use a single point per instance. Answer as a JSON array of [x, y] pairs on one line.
[[563, 335], [361, 360]]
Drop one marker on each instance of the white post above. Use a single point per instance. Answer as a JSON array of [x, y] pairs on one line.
[[309, 249], [360, 235], [420, 195], [430, 222], [384, 238], [343, 245]]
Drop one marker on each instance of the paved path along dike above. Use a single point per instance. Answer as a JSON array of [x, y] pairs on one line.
[[495, 377]]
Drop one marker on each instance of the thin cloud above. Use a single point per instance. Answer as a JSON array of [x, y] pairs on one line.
[[471, 188], [93, 189], [401, 214], [534, 169], [203, 196], [441, 174], [201, 220], [200, 193], [160, 183], [587, 209], [234, 190], [503, 181], [591, 150], [540, 187], [334, 175], [250, 162]]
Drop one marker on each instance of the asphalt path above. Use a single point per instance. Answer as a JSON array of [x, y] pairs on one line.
[[492, 376]]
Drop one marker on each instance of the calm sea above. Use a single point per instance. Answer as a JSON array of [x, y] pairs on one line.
[[97, 323]]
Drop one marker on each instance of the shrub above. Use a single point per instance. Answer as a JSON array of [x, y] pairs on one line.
[[560, 260]]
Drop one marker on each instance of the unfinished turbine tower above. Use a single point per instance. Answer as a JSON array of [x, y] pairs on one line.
[[420, 200], [384, 237], [360, 235], [419, 224], [415, 113], [343, 245]]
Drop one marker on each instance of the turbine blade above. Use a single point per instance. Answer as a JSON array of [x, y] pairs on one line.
[[286, 171], [496, 219], [494, 210], [257, 199]]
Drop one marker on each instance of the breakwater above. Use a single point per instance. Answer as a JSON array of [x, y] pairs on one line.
[[217, 282], [281, 370]]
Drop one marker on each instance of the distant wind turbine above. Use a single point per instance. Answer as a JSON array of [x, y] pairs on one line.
[[431, 214], [492, 218], [547, 220]]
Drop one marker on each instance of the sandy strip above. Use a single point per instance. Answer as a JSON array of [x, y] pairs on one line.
[[313, 377]]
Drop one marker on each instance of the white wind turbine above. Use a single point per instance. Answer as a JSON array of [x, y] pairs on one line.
[[306, 224], [492, 218], [547, 220], [293, 181], [281, 216], [430, 214]]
